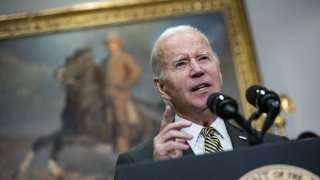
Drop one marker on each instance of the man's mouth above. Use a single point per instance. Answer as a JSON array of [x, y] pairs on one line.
[[200, 87]]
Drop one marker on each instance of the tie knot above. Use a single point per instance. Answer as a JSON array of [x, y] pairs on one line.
[[211, 141], [208, 131]]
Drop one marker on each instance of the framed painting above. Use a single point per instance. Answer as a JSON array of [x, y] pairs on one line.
[[41, 122]]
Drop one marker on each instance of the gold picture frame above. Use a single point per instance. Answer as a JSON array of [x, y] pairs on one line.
[[127, 11], [94, 15]]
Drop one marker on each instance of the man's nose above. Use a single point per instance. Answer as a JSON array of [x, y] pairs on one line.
[[195, 69]]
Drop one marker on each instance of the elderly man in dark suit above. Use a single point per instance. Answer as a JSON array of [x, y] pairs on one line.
[[186, 71]]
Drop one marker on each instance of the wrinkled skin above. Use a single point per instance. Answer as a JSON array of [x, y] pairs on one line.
[[190, 74]]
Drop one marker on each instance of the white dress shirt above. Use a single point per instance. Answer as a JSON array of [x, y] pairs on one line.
[[197, 142]]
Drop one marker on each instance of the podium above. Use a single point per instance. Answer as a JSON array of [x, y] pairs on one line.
[[288, 160]]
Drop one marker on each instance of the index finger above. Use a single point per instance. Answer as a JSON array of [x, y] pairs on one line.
[[166, 117]]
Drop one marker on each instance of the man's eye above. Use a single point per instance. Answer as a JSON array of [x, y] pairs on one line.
[[180, 64], [204, 58]]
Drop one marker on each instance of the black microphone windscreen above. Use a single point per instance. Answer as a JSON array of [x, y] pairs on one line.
[[250, 93], [211, 100]]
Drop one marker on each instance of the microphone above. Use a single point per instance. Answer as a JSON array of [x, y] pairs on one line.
[[227, 108], [265, 101], [222, 105]]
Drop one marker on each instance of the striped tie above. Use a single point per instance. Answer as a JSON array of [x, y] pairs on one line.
[[211, 142]]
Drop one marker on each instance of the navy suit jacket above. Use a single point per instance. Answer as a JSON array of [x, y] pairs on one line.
[[144, 151]]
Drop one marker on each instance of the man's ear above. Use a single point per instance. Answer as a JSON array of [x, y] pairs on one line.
[[161, 88], [221, 81]]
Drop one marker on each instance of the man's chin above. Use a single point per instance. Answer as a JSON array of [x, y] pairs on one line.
[[202, 105]]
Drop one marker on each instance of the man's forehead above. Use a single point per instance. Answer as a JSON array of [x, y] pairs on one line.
[[183, 42], [182, 36]]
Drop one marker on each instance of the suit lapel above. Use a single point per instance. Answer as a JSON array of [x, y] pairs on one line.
[[188, 151], [239, 137]]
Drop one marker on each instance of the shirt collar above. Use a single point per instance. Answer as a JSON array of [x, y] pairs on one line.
[[195, 129], [220, 126]]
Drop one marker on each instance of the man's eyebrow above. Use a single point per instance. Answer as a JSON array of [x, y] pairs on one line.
[[204, 53], [179, 58], [185, 57]]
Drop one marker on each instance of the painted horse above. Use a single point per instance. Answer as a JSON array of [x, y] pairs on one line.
[[84, 114]]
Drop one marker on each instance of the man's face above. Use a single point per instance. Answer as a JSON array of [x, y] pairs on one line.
[[190, 72], [113, 46]]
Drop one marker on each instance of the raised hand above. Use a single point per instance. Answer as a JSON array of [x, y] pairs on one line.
[[170, 142]]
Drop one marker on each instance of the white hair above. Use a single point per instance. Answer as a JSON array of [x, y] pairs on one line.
[[155, 59]]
